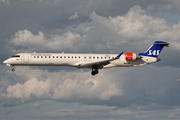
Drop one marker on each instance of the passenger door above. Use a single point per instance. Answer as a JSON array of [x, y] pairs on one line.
[[26, 57]]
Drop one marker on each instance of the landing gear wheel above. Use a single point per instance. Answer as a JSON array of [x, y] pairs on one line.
[[94, 72], [13, 69]]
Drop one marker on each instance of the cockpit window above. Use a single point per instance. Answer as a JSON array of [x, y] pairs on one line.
[[16, 56]]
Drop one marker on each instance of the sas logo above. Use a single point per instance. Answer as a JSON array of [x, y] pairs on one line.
[[155, 52]]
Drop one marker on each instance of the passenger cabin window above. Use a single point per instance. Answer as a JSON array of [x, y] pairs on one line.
[[79, 57], [57, 56], [53, 56], [64, 56], [68, 57], [101, 57], [49, 56], [34, 56], [60, 56], [75, 56], [16, 56], [97, 57], [72, 56], [37, 56], [45, 56], [41, 56], [93, 57]]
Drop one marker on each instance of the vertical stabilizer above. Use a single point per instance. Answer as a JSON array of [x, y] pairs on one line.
[[155, 49]]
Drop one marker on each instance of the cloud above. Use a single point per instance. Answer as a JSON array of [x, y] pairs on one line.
[[75, 16], [3, 86], [46, 28], [134, 31], [32, 88], [137, 28], [40, 42], [106, 112], [69, 86], [117, 87], [35, 105], [171, 6], [4, 1]]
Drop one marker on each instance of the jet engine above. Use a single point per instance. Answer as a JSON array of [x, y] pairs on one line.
[[132, 56]]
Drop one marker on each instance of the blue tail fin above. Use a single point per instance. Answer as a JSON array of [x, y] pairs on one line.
[[155, 49]]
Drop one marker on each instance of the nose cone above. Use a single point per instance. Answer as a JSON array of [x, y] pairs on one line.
[[5, 62]]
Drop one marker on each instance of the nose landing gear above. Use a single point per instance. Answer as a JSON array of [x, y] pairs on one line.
[[13, 69]]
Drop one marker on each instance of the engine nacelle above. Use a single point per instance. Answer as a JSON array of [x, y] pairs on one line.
[[132, 56]]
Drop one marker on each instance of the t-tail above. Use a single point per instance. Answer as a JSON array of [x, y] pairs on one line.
[[155, 49]]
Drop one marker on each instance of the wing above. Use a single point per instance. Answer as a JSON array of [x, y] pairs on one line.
[[99, 64]]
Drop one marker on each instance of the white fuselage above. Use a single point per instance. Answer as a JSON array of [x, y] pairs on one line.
[[74, 60], [91, 61]]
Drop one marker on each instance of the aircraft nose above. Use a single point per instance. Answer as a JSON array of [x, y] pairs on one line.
[[5, 62]]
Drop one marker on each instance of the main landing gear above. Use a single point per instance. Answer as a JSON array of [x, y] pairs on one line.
[[94, 71], [13, 69]]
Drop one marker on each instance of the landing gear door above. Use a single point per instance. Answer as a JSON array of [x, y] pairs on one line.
[[26, 57]]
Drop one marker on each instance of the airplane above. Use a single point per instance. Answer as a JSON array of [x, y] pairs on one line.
[[91, 61]]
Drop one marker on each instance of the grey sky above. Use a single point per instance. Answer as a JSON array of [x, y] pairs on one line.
[[90, 26]]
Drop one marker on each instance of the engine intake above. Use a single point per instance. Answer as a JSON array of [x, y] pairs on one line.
[[132, 56]]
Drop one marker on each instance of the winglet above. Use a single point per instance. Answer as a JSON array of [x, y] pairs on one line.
[[117, 57]]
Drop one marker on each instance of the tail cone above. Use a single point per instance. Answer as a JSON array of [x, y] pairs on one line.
[[158, 59]]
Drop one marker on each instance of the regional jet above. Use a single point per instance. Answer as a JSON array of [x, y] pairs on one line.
[[95, 62]]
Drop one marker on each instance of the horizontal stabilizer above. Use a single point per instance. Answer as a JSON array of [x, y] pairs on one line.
[[161, 43]]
